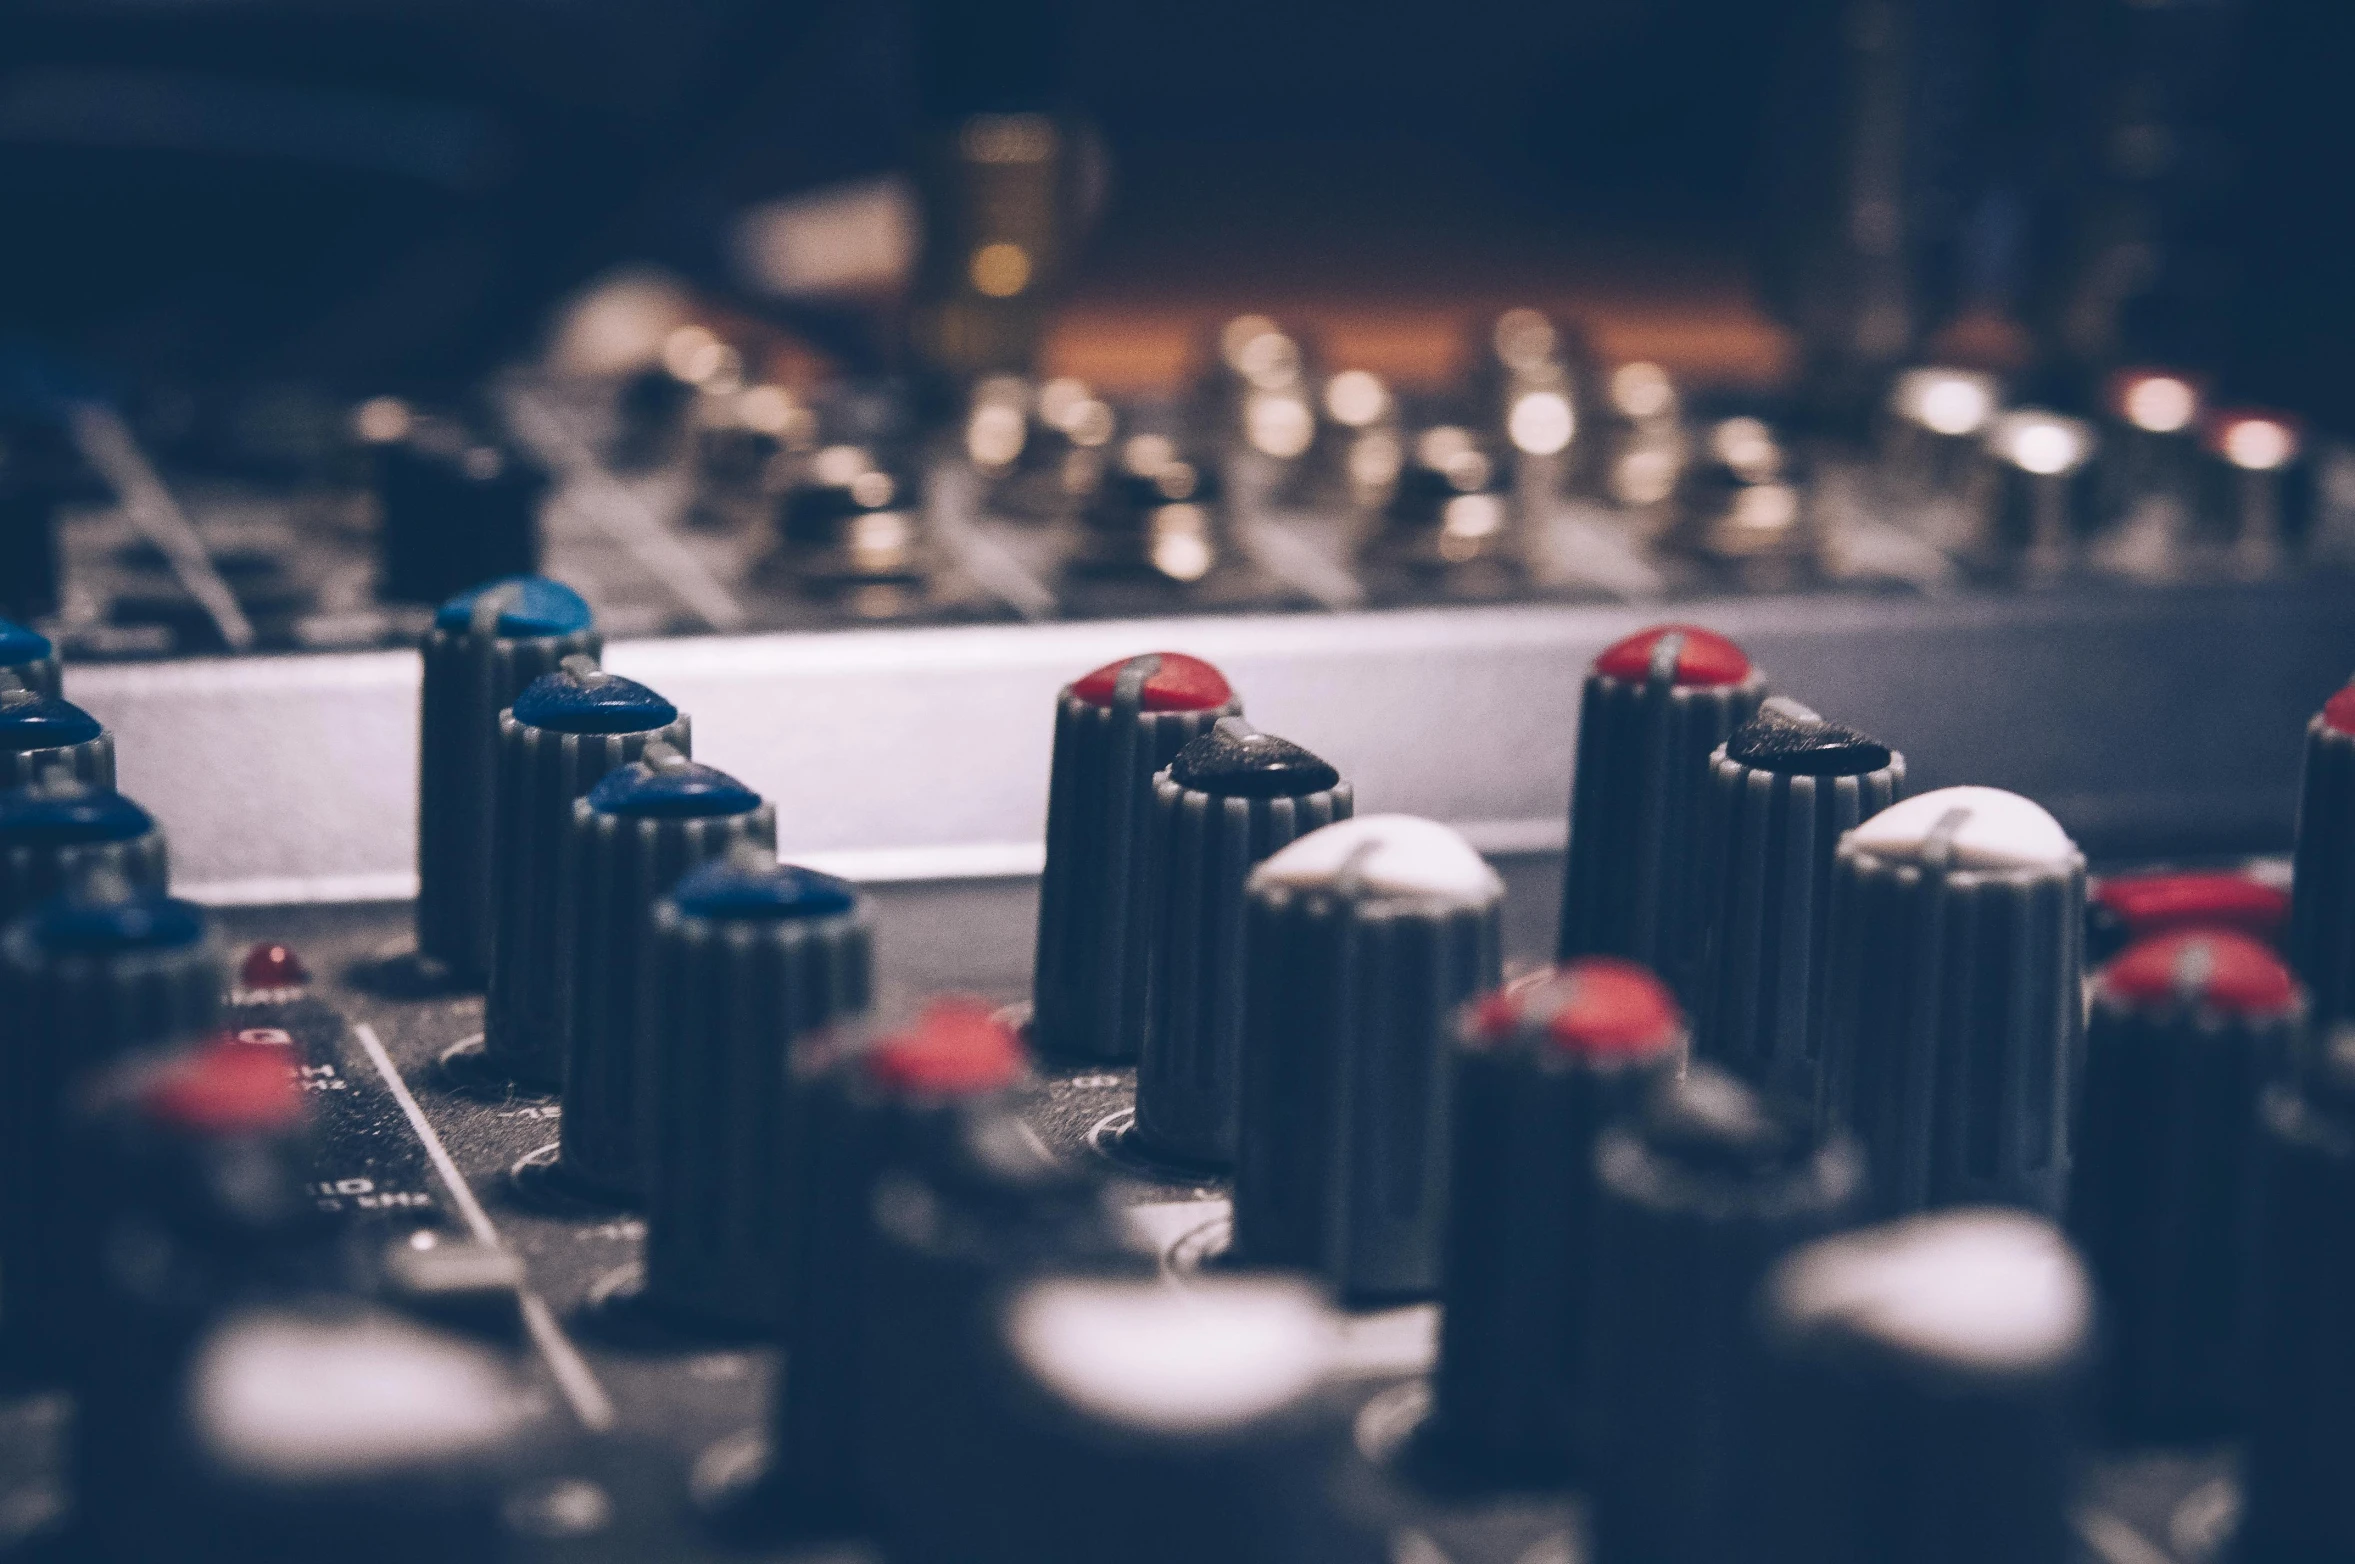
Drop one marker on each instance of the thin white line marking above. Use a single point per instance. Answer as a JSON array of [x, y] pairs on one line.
[[589, 1402]]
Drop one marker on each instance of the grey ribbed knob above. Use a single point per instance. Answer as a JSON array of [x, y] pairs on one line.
[[1229, 799], [634, 836], [748, 957], [1540, 1069], [57, 830], [1954, 1017], [564, 733], [484, 648], [1919, 1396], [1782, 790], [2322, 886], [1655, 706], [31, 657], [1364, 937], [1113, 730], [42, 733]]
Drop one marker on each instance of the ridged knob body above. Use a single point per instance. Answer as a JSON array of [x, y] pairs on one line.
[[485, 647], [1231, 798], [748, 957], [1364, 938], [1919, 1395], [1782, 791], [634, 836], [1113, 730], [2322, 886], [1654, 708], [30, 656], [1698, 1195], [1954, 1019], [42, 734], [564, 733], [2186, 1031], [54, 833], [1540, 1069]]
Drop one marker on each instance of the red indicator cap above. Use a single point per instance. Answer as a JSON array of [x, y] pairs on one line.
[[1173, 682], [2221, 970], [224, 1087], [272, 966], [1597, 1007], [1702, 657], [956, 1048], [2147, 904], [2339, 710]]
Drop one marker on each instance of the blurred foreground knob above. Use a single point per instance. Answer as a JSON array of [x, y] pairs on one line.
[[1655, 705], [1540, 1069], [748, 956], [1113, 730], [42, 733], [634, 835], [2187, 1029], [1919, 1395], [1232, 797], [564, 733], [1953, 975], [2322, 886], [485, 646], [57, 830], [30, 657], [1364, 938], [1781, 792]]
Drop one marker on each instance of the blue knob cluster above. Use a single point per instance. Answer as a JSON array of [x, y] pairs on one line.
[[592, 702], [529, 607], [727, 889], [681, 791]]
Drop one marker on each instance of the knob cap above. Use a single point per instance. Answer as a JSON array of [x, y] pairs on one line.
[[1919, 1394], [1781, 792], [41, 733], [1229, 799], [485, 646], [31, 657], [58, 830], [453, 511], [1540, 1068], [1954, 1018], [1128, 1391], [748, 956], [564, 733], [2186, 1031], [1113, 730], [2122, 909], [862, 1107], [2322, 885], [1699, 1195], [1655, 706], [1364, 937], [633, 835], [2301, 1385]]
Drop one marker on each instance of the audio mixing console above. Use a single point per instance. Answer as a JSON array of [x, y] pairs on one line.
[[662, 1101]]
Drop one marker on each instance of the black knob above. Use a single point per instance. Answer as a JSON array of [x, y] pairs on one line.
[[2322, 884], [1154, 517], [1128, 1391], [634, 835], [2301, 1380], [2187, 1029], [2151, 459], [43, 733], [453, 511], [1113, 730], [853, 529], [1781, 792], [2123, 908], [1930, 442], [862, 1107], [748, 956], [2258, 487], [1364, 937], [2037, 487], [1449, 514], [485, 646], [57, 830], [1229, 799], [1919, 1395], [29, 570], [564, 733], [1954, 1012], [1540, 1068], [1655, 706], [31, 657], [1699, 1195]]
